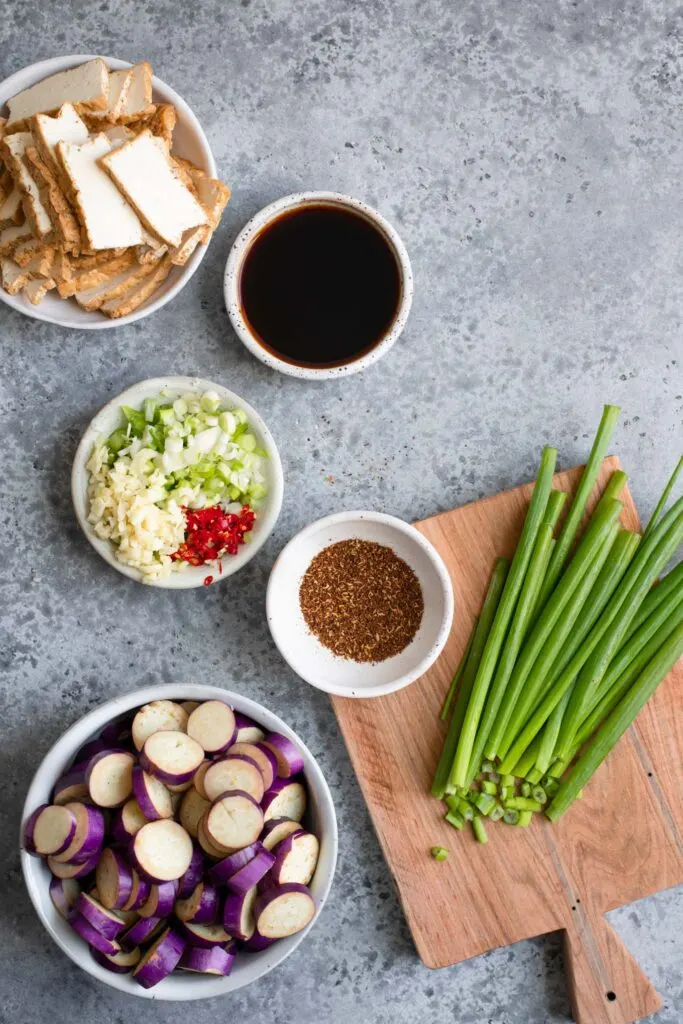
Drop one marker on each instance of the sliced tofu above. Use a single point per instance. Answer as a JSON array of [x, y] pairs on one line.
[[27, 250], [12, 236], [134, 297], [81, 280], [14, 277], [41, 265], [161, 123], [214, 196], [144, 172], [6, 183], [87, 85], [65, 224], [107, 219], [36, 290], [138, 101], [67, 126], [14, 151], [119, 84], [11, 209], [114, 288], [191, 239], [119, 134]]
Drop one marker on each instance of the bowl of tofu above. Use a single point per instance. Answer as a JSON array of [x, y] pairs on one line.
[[108, 192]]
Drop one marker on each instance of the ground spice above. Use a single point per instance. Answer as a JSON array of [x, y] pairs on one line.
[[361, 600]]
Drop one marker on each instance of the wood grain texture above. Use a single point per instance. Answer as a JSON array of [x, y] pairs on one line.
[[525, 882]]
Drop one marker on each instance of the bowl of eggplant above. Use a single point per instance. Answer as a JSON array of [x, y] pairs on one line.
[[179, 842]]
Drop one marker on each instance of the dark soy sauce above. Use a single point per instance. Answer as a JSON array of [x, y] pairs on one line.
[[320, 286]]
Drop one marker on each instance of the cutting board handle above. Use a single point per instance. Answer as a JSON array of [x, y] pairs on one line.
[[606, 985]]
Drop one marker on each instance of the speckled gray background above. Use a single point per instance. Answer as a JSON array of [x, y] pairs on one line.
[[530, 154]]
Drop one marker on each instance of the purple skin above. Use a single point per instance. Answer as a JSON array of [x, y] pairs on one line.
[[29, 845], [111, 965], [97, 916], [209, 961], [195, 939], [124, 877], [161, 900], [233, 916], [247, 730], [72, 785], [66, 842], [139, 893], [271, 892], [257, 943], [118, 831], [88, 750], [144, 930], [64, 893], [91, 840], [170, 778], [71, 870], [92, 936], [162, 962], [226, 868], [193, 875], [252, 873], [207, 907], [282, 851], [115, 734], [289, 760], [142, 796], [273, 763], [278, 786]]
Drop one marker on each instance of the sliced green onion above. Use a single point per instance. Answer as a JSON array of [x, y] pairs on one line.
[[455, 820], [524, 819], [439, 853], [511, 817], [480, 831]]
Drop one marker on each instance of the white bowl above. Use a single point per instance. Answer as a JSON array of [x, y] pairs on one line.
[[189, 141], [108, 419], [304, 652], [248, 967], [233, 271]]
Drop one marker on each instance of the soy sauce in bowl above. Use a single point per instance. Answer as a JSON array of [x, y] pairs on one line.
[[320, 286]]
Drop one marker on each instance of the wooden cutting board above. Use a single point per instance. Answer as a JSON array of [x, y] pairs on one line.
[[623, 841]]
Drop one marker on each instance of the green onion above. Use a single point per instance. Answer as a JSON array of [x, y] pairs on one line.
[[460, 770], [149, 408], [488, 766], [539, 795], [524, 819], [523, 803], [606, 428], [507, 780], [660, 592], [480, 831], [511, 817], [554, 625], [652, 555], [534, 776], [617, 723], [525, 789], [446, 707], [666, 493], [489, 787], [439, 853], [485, 803], [479, 639], [455, 820], [497, 813], [465, 809]]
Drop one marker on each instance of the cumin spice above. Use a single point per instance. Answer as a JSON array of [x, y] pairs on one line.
[[361, 600]]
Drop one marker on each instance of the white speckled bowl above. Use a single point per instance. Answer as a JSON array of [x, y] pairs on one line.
[[189, 141], [249, 967], [306, 655], [108, 419], [233, 270]]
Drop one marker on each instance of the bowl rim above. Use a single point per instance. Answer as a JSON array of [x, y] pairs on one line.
[[439, 565], [95, 719], [41, 69], [239, 251], [189, 579]]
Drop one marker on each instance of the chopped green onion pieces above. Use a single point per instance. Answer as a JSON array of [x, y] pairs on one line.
[[485, 803], [523, 803], [511, 817], [455, 820], [524, 819], [489, 787], [539, 795], [488, 766], [480, 831], [525, 789], [439, 853], [497, 813]]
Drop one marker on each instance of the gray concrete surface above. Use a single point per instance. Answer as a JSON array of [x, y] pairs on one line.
[[530, 154]]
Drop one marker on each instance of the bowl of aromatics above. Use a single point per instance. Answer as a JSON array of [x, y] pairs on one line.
[[177, 482], [359, 604], [178, 842]]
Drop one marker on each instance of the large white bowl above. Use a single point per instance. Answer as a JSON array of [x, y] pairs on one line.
[[189, 141], [303, 651], [108, 419], [320, 818]]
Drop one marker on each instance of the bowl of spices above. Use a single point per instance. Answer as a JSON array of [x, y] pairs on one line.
[[318, 285], [359, 604]]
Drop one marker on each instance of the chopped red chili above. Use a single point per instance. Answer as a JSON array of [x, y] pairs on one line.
[[208, 580], [211, 533]]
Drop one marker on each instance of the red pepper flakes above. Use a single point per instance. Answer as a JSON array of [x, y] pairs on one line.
[[208, 580], [211, 533]]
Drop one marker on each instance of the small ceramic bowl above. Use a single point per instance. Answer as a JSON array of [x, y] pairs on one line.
[[303, 651], [233, 270], [189, 141], [109, 418], [249, 967]]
